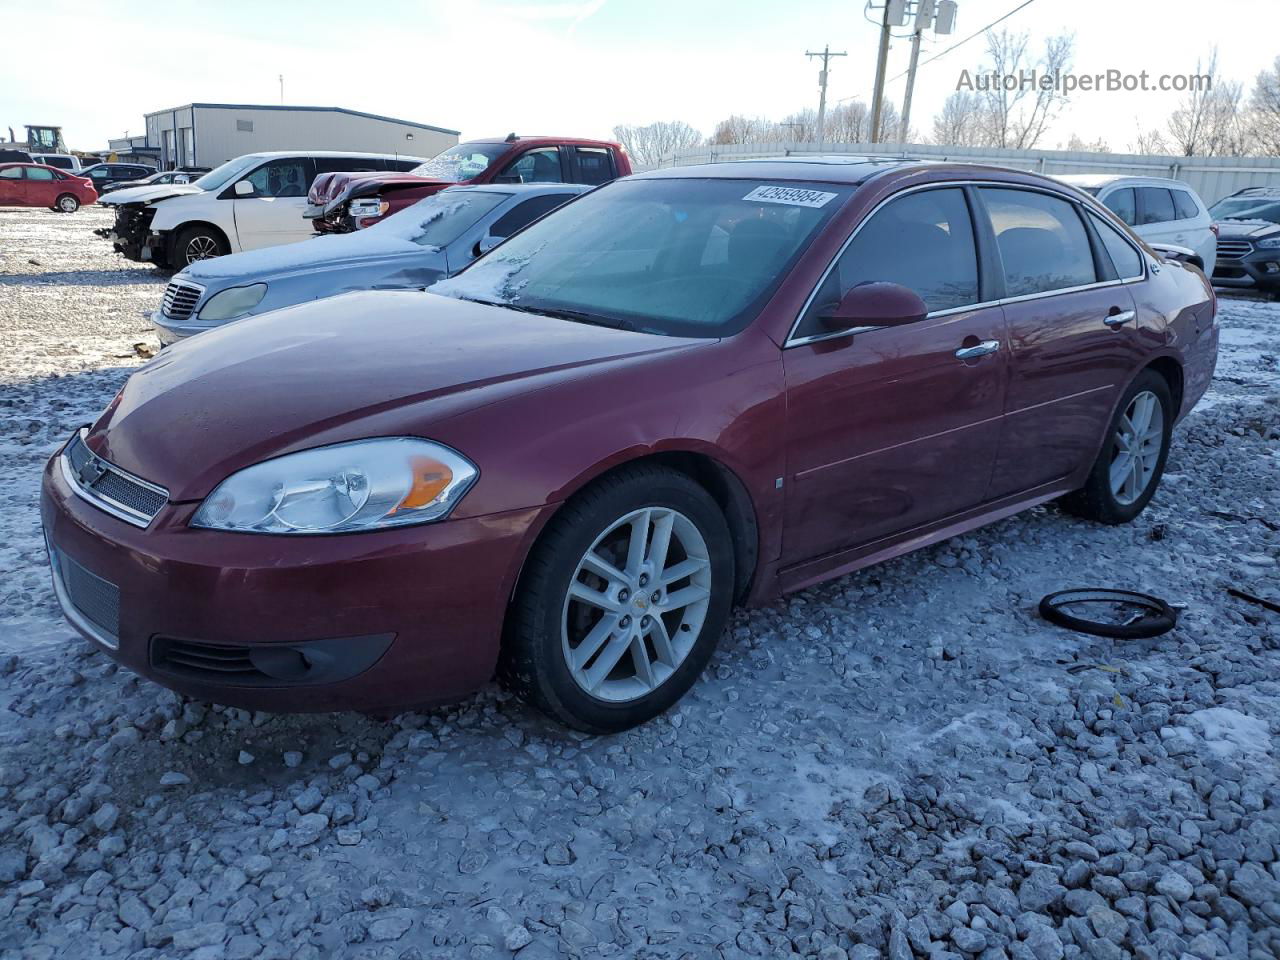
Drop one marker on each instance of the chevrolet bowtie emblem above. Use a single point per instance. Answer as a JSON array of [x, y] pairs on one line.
[[91, 471]]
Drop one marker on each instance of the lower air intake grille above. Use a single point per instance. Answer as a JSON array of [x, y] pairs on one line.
[[95, 599]]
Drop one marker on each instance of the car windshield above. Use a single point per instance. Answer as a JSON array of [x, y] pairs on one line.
[[438, 220], [1247, 208], [219, 177], [463, 162], [696, 257]]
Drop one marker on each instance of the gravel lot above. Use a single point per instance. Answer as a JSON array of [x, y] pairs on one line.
[[906, 762]]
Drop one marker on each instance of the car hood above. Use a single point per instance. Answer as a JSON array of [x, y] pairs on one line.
[[316, 253], [330, 187], [1246, 229], [150, 194], [362, 364]]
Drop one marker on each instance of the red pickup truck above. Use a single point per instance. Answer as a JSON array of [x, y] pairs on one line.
[[342, 202]]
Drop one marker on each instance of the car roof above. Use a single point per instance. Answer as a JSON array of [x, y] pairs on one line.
[[840, 168], [542, 138], [522, 189], [1266, 191], [270, 154]]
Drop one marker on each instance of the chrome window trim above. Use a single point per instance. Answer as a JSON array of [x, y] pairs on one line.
[[794, 341], [118, 510]]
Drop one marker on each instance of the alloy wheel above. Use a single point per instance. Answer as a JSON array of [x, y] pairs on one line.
[[201, 248], [636, 604], [1136, 452], [68, 204]]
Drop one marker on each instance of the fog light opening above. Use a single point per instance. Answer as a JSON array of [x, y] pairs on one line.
[[280, 663]]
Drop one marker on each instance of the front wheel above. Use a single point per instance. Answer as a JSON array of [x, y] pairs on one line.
[[67, 204], [1127, 472], [622, 601], [197, 243]]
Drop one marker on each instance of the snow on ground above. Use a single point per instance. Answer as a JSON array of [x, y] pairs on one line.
[[905, 761]]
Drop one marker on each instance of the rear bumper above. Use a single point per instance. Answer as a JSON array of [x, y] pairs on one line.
[[398, 618]]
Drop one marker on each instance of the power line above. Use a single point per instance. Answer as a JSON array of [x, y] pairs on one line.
[[954, 46]]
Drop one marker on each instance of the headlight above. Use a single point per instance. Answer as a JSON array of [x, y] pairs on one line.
[[363, 485], [233, 302], [1271, 243]]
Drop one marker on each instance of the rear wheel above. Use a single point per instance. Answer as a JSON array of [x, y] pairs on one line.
[[1127, 472], [622, 601], [67, 203], [197, 243]]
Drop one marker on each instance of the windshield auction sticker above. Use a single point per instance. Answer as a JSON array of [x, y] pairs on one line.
[[793, 196]]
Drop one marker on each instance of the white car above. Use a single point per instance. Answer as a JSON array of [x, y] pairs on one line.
[[63, 161], [1159, 211], [250, 202]]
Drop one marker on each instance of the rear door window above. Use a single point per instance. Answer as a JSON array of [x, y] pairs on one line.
[[1121, 203], [1156, 206], [346, 165], [922, 241], [1042, 241], [1184, 206], [39, 173], [595, 165]]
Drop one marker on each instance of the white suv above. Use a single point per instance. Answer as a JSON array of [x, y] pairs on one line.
[[63, 161], [249, 202], [1158, 210]]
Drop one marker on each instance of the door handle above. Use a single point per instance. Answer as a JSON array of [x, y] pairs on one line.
[[978, 350], [1119, 319]]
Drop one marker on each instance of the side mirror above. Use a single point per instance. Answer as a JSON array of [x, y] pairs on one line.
[[244, 188], [1171, 251], [876, 305], [487, 243]]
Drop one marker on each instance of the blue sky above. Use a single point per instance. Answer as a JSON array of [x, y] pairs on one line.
[[577, 67]]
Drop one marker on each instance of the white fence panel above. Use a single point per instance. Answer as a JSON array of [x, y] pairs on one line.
[[1211, 177]]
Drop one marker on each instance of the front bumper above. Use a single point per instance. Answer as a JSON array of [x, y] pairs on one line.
[[400, 618], [171, 331], [1259, 270]]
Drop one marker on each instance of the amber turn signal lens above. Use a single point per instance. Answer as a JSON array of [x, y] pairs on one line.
[[430, 479]]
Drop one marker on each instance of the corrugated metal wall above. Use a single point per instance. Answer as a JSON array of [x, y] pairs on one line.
[[222, 133], [1211, 177]]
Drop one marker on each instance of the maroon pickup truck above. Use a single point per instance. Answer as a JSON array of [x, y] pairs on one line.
[[342, 202]]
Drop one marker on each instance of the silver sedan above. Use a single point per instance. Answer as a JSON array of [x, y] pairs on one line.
[[433, 239]]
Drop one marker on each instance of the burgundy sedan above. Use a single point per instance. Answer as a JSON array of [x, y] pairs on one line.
[[684, 390], [36, 185]]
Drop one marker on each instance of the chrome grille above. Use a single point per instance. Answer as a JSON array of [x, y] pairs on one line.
[[89, 597], [180, 299], [108, 487], [1234, 249]]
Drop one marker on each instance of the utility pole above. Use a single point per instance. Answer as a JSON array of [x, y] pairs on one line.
[[882, 61], [282, 89], [911, 84], [826, 56]]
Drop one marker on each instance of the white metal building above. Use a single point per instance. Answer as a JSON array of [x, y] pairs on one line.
[[207, 134]]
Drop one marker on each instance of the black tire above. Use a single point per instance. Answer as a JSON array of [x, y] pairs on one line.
[[533, 659], [1096, 499], [67, 203], [197, 243]]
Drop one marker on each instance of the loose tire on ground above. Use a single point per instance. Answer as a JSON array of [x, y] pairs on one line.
[[1103, 498], [557, 644]]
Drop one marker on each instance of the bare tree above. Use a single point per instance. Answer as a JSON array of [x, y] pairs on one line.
[[1079, 144], [737, 129], [1150, 143], [1208, 121], [962, 121], [848, 122], [1264, 111], [1019, 112], [650, 143]]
